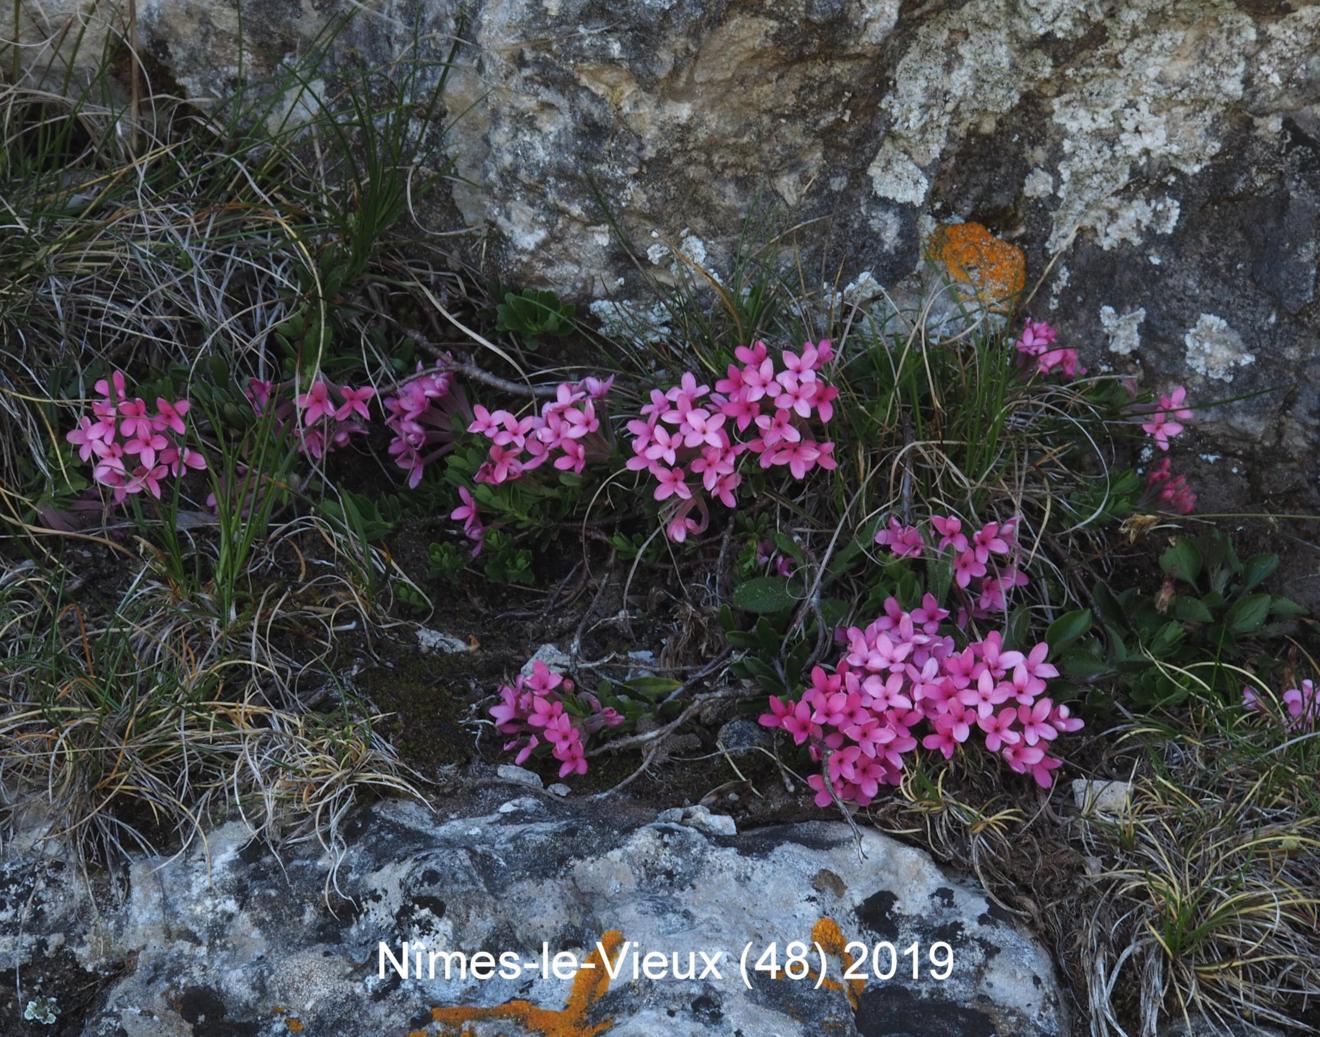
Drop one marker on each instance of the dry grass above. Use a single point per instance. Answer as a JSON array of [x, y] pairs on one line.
[[1199, 901]]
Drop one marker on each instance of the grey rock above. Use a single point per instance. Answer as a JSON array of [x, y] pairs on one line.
[[429, 640], [512, 772], [700, 818], [743, 735], [232, 940]]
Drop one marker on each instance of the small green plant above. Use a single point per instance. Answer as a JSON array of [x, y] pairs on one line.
[[533, 315], [1209, 621]]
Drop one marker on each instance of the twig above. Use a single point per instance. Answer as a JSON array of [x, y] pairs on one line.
[[477, 374]]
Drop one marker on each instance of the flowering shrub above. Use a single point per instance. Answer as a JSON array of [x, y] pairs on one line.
[[544, 710], [567, 432], [1301, 705], [132, 448], [319, 420], [988, 556], [900, 676], [758, 409], [421, 417]]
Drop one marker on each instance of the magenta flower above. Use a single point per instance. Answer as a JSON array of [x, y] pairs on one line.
[[670, 483], [898, 673], [903, 541], [354, 402], [153, 441], [315, 404], [533, 712], [950, 530], [170, 415], [998, 729], [1037, 337]]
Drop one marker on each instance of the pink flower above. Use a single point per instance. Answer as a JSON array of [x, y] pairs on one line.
[[987, 541], [86, 437], [170, 415], [114, 389], [966, 566], [670, 483], [355, 402], [950, 531], [1064, 360], [998, 729], [1174, 402], [315, 403], [1037, 336], [903, 541], [135, 420]]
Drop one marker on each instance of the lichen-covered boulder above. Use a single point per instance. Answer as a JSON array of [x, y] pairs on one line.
[[235, 942]]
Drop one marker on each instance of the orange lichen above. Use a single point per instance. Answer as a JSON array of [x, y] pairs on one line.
[[589, 986], [294, 1025], [827, 934], [994, 270]]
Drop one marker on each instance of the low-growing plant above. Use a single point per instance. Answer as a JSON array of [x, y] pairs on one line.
[[1209, 620]]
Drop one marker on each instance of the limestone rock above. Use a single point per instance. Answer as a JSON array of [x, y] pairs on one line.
[[240, 943]]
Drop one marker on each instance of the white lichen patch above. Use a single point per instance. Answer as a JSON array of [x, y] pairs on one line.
[[1127, 222], [1038, 184], [1154, 93], [1214, 349], [1122, 330], [644, 325], [896, 176]]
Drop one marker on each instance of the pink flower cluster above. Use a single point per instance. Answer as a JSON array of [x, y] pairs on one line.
[[421, 417], [1162, 424], [327, 415], [899, 673], [532, 712], [566, 432], [131, 447], [988, 556], [1165, 421], [760, 408], [1302, 705], [1036, 343], [1169, 489]]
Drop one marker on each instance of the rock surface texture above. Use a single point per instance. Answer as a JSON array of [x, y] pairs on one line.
[[1159, 158], [242, 946]]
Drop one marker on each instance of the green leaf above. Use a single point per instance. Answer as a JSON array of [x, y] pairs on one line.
[[1287, 607], [1018, 629], [1192, 610], [767, 637], [1166, 638], [1084, 668], [1258, 569], [1068, 628], [939, 576], [764, 595], [1182, 561], [1110, 608], [787, 545], [1249, 614], [651, 687]]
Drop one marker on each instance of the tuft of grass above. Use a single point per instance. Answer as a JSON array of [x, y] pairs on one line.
[[168, 662]]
